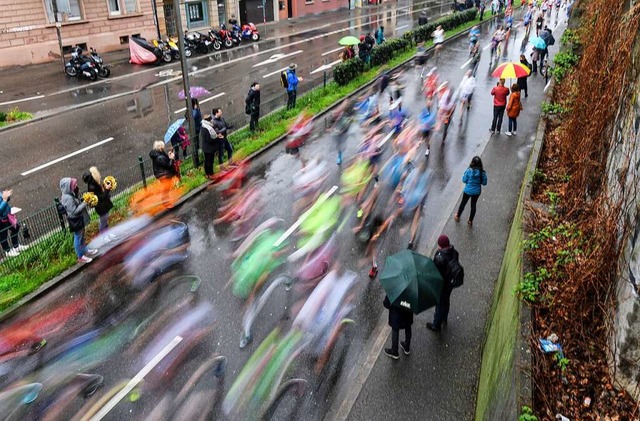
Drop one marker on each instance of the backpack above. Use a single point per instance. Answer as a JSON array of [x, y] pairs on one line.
[[454, 270], [284, 80]]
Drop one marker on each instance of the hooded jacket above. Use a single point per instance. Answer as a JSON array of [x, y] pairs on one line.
[[162, 164], [74, 206], [104, 196], [441, 259]]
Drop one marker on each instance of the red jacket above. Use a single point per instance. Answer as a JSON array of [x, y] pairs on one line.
[[500, 94]]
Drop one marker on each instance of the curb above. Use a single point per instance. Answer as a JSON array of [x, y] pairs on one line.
[[76, 268]]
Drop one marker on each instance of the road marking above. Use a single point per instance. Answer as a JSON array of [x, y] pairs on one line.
[[277, 57], [201, 102], [466, 63], [55, 161], [275, 73], [332, 51], [304, 216], [401, 27], [137, 379], [488, 46], [21, 100], [326, 66]]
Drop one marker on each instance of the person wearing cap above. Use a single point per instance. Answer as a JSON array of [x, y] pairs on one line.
[[292, 86], [443, 256]]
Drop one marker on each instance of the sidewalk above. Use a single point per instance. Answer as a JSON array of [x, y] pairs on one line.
[[23, 82], [438, 381]]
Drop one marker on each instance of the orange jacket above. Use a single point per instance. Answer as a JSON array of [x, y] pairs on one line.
[[514, 106]]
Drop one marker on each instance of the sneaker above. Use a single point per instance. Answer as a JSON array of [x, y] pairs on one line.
[[426, 153], [389, 353], [405, 348], [433, 327], [456, 217], [85, 259], [513, 132], [507, 133], [91, 252], [492, 131], [21, 247], [373, 272], [12, 253], [469, 222]]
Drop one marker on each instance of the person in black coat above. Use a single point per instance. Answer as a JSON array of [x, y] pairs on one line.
[[252, 105], [210, 145], [398, 319], [94, 185], [163, 163], [222, 128], [522, 81], [443, 256], [423, 19]]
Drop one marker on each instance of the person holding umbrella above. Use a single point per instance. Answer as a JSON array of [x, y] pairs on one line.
[[499, 93], [413, 284]]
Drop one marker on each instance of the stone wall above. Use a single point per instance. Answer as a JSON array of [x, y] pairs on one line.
[[623, 184]]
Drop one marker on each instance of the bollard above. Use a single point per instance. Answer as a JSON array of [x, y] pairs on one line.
[[60, 210], [144, 179], [324, 82]]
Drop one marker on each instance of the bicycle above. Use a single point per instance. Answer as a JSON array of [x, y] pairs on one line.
[[545, 70]]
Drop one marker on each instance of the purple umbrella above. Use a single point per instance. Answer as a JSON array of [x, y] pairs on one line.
[[196, 92]]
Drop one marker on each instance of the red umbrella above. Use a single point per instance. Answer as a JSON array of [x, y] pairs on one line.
[[511, 71]]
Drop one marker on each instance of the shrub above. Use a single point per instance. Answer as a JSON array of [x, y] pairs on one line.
[[386, 51], [348, 70], [564, 63], [3, 116]]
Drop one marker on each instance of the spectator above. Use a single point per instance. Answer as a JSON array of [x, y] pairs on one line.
[[252, 105], [513, 109], [483, 5], [445, 254], [180, 140], [94, 185], [210, 145], [292, 86], [423, 19], [535, 56], [364, 50], [370, 40], [380, 35], [522, 81], [9, 227], [77, 217], [500, 93], [197, 120], [474, 178], [221, 128], [163, 163], [398, 319]]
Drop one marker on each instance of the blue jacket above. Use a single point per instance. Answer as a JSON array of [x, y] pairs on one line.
[[292, 80], [5, 208], [474, 179], [197, 119]]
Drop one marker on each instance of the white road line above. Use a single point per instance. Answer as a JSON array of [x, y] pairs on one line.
[[201, 102], [21, 100], [55, 161], [137, 379], [276, 57], [305, 216], [401, 27], [466, 63], [386, 138], [488, 46], [275, 73], [332, 51], [326, 66]]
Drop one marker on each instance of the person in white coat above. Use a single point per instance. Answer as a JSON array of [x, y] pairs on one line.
[[465, 91]]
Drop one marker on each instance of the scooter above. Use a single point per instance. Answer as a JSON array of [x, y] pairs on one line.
[[167, 55], [175, 49], [102, 69], [79, 65]]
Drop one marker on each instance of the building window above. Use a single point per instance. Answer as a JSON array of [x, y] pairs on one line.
[[118, 7], [68, 10], [197, 14]]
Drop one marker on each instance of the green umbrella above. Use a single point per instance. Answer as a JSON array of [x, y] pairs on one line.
[[411, 281], [349, 40]]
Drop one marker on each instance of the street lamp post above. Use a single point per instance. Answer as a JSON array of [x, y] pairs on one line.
[[54, 7], [155, 17], [185, 83]]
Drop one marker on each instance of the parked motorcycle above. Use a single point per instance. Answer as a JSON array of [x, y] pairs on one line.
[[175, 49], [247, 32], [216, 41], [80, 66], [167, 54], [200, 41], [102, 69], [225, 36]]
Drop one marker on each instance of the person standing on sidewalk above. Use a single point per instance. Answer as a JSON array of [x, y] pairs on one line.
[[197, 120], [513, 109], [380, 35], [445, 254], [221, 127], [77, 217], [163, 162], [292, 86], [500, 94], [398, 319], [94, 185], [474, 178], [522, 81], [252, 105], [9, 227], [210, 145]]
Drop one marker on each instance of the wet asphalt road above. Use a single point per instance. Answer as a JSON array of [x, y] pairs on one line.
[[210, 249], [134, 121]]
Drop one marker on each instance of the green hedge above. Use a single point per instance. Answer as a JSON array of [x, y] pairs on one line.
[[345, 72]]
